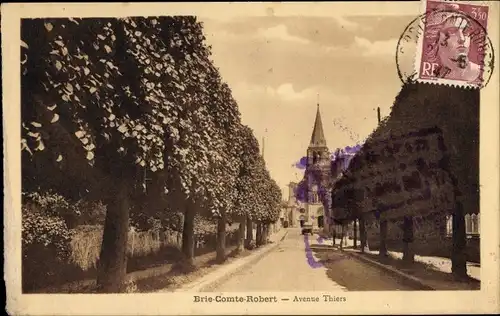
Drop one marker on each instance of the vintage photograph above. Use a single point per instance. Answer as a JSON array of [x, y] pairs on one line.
[[257, 154]]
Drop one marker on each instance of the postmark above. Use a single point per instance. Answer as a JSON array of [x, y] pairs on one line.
[[447, 44]]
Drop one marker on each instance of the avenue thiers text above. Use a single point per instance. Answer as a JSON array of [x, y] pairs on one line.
[[267, 299]]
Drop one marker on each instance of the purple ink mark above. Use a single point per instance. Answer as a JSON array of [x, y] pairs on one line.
[[309, 255], [340, 153], [320, 239], [353, 149], [339, 161], [302, 163]]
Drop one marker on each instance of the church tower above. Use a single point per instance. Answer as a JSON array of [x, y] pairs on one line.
[[318, 162], [317, 151]]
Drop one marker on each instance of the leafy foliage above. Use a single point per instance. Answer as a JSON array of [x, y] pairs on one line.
[[409, 165], [268, 195], [246, 185], [108, 101], [43, 226]]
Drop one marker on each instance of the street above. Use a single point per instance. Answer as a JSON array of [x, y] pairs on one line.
[[299, 264]]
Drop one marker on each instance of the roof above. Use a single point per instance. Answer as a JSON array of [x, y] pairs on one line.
[[318, 136]]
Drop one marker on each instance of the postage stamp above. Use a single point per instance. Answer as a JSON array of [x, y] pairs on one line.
[[454, 47]]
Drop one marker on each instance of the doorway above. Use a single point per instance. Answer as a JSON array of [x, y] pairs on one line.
[[320, 221]]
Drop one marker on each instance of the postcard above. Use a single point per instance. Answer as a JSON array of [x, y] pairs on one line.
[[251, 158]]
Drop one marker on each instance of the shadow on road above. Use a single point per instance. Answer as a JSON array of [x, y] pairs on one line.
[[430, 275], [355, 275]]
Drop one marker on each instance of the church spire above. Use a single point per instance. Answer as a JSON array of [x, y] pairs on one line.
[[318, 136]]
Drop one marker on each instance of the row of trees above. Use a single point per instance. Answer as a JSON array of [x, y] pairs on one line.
[[422, 161], [133, 112]]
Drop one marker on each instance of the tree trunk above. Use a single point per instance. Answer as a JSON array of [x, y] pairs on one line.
[[258, 236], [342, 237], [362, 233], [334, 233], [188, 233], [383, 238], [241, 233], [112, 267], [268, 232], [408, 255], [265, 234], [355, 233], [221, 239], [249, 236], [458, 257]]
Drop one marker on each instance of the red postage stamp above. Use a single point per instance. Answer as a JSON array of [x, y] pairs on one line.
[[453, 48]]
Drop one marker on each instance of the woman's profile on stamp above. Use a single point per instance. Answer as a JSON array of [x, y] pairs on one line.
[[447, 45], [454, 47]]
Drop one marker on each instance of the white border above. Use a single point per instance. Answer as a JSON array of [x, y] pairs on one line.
[[484, 301]]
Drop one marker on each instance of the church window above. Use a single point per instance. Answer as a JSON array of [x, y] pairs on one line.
[[313, 197], [315, 157]]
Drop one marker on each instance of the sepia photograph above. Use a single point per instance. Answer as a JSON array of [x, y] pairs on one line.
[[260, 157]]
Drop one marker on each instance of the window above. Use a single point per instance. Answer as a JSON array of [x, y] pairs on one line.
[[315, 157], [449, 225], [468, 224], [313, 197], [474, 223]]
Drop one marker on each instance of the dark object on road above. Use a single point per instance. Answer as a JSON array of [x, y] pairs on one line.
[[285, 224], [307, 229]]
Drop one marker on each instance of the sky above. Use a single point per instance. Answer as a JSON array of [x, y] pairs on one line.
[[277, 67]]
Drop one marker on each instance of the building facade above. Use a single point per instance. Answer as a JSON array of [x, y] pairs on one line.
[[290, 215]]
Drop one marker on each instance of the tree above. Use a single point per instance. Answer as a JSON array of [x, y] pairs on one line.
[[75, 106], [423, 161], [225, 171], [108, 102], [268, 199], [246, 185]]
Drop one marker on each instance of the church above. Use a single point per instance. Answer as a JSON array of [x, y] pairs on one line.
[[316, 178], [322, 170]]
